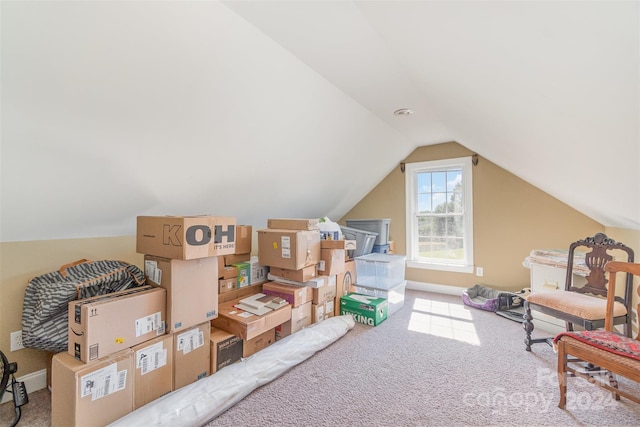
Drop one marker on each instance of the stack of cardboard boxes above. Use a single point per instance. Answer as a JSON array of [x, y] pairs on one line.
[[128, 348]]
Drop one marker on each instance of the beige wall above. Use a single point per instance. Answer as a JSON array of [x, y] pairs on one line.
[[511, 217], [21, 261]]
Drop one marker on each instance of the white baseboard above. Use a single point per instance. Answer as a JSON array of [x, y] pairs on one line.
[[33, 382], [432, 287]]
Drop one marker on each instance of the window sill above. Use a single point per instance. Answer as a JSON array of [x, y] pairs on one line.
[[441, 267]]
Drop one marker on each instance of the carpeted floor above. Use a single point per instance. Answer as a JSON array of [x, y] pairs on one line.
[[435, 362]]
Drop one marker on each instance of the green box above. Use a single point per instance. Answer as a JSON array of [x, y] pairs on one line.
[[365, 309], [244, 274]]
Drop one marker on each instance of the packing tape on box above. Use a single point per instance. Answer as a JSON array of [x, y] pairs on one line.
[[202, 401]]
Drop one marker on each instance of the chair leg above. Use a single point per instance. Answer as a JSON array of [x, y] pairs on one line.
[[527, 325], [562, 375], [613, 382]]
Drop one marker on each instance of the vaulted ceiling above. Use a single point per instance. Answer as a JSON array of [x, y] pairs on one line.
[[261, 109]]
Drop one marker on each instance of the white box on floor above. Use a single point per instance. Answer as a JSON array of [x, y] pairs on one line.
[[394, 296]]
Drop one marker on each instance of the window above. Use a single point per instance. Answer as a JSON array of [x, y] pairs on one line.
[[440, 215]]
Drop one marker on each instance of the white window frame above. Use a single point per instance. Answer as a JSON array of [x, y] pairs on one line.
[[411, 171]]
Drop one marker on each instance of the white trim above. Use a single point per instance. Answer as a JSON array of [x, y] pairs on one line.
[[410, 190], [33, 382], [435, 288]]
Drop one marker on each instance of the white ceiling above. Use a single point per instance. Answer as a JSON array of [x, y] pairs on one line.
[[261, 109]]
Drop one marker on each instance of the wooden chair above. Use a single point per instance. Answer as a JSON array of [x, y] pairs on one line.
[[583, 306], [613, 352]]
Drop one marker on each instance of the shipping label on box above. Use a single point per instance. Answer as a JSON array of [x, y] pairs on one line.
[[366, 310], [183, 279], [191, 355], [289, 249], [258, 271], [106, 324], [186, 237], [153, 369], [226, 349]]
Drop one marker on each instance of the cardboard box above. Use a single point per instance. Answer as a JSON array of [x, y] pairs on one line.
[[288, 249], [236, 258], [153, 366], [243, 239], [300, 318], [245, 324], [303, 275], [324, 293], [191, 355], [347, 245], [226, 285], [365, 309], [244, 274], [102, 325], [258, 343], [317, 313], [258, 271], [229, 272], [192, 289], [331, 261], [91, 394], [345, 280], [294, 295], [226, 349], [186, 237], [294, 223]]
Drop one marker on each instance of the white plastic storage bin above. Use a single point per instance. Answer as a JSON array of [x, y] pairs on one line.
[[394, 296], [380, 226], [364, 239], [381, 271]]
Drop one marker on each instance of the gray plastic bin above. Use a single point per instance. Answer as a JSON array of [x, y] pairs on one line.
[[364, 239], [379, 226]]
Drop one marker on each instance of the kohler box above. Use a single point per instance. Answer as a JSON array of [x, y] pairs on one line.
[[186, 237]]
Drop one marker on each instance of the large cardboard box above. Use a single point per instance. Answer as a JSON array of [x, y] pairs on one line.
[[247, 325], [294, 223], [153, 366], [191, 355], [91, 394], [186, 237], [102, 325], [262, 341], [303, 275], [300, 318], [243, 239], [331, 261], [288, 249], [365, 309], [226, 349], [192, 289], [294, 295]]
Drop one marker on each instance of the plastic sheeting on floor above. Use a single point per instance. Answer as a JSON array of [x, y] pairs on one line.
[[200, 402]]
